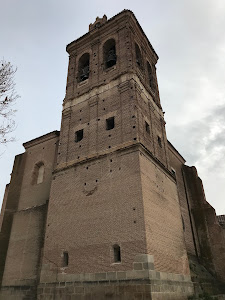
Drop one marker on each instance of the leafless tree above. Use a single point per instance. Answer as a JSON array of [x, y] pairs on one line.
[[8, 97]]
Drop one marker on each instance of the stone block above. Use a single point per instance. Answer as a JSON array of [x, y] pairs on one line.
[[140, 288], [141, 274], [100, 276], [84, 277], [138, 296], [47, 290], [144, 258], [61, 277], [45, 267], [149, 266], [130, 274], [111, 275], [75, 297], [79, 290], [187, 277], [170, 276], [155, 288], [70, 289], [180, 277], [91, 276], [152, 274], [88, 296], [158, 275], [175, 277], [72, 277], [40, 291], [121, 275], [137, 266], [147, 288], [163, 276], [48, 279]]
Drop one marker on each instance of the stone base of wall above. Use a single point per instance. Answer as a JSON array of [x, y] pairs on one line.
[[25, 292], [143, 282], [203, 281], [120, 290]]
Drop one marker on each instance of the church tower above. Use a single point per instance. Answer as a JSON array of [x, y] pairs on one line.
[[114, 226]]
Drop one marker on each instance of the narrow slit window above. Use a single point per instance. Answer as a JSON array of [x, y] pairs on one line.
[[65, 259], [183, 224], [160, 142], [79, 135], [40, 174], [151, 77], [147, 129], [138, 56], [110, 123], [117, 253], [174, 172]]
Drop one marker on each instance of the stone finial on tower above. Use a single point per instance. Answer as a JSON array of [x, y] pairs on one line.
[[98, 23]]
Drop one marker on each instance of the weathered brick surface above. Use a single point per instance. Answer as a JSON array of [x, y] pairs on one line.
[[11, 201], [99, 214], [127, 289], [163, 222], [29, 204], [210, 233], [113, 187], [44, 151], [191, 241], [4, 205]]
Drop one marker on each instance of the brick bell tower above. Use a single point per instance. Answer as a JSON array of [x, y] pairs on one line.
[[114, 225]]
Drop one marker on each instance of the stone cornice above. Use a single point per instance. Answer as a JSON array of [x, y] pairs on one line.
[[41, 139]]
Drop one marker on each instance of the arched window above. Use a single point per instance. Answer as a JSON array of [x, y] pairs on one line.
[[40, 176], [38, 173], [83, 67], [117, 254], [109, 53], [150, 76], [138, 56]]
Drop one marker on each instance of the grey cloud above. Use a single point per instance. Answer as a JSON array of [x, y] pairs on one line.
[[197, 143]]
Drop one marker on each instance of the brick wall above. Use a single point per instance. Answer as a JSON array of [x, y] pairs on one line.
[[23, 259], [122, 92], [210, 233], [9, 206], [163, 224], [126, 31], [177, 161], [4, 205], [98, 203]]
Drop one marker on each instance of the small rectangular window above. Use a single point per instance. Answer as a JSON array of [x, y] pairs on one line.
[[65, 259], [79, 135], [117, 254], [174, 172], [147, 127], [160, 142], [110, 123]]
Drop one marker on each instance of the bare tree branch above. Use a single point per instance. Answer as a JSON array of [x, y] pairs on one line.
[[8, 97]]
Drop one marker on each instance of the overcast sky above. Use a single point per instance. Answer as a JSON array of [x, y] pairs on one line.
[[187, 35]]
